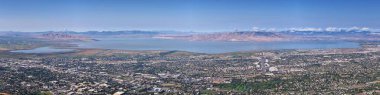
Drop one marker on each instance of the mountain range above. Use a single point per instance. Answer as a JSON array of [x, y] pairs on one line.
[[256, 35], [289, 35]]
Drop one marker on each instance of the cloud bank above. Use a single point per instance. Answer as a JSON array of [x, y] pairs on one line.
[[303, 29]]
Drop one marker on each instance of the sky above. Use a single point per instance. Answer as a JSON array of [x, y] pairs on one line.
[[184, 15]]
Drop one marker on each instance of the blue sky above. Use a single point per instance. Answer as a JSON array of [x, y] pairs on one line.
[[185, 15]]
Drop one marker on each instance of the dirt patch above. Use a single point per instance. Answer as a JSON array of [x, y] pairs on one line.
[[89, 52], [3, 49]]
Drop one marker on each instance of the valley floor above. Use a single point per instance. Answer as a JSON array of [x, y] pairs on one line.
[[98, 71]]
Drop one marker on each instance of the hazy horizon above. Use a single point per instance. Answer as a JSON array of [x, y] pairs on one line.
[[254, 29], [178, 15]]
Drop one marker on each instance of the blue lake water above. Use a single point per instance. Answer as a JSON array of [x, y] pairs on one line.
[[195, 46], [208, 46], [43, 50]]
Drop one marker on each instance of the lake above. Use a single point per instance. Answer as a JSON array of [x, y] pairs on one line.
[[43, 50], [211, 47], [208, 46]]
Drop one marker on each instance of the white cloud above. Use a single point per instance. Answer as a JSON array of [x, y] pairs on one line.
[[305, 29], [257, 29], [328, 29]]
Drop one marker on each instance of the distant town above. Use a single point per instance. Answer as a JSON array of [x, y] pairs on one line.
[[123, 72]]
